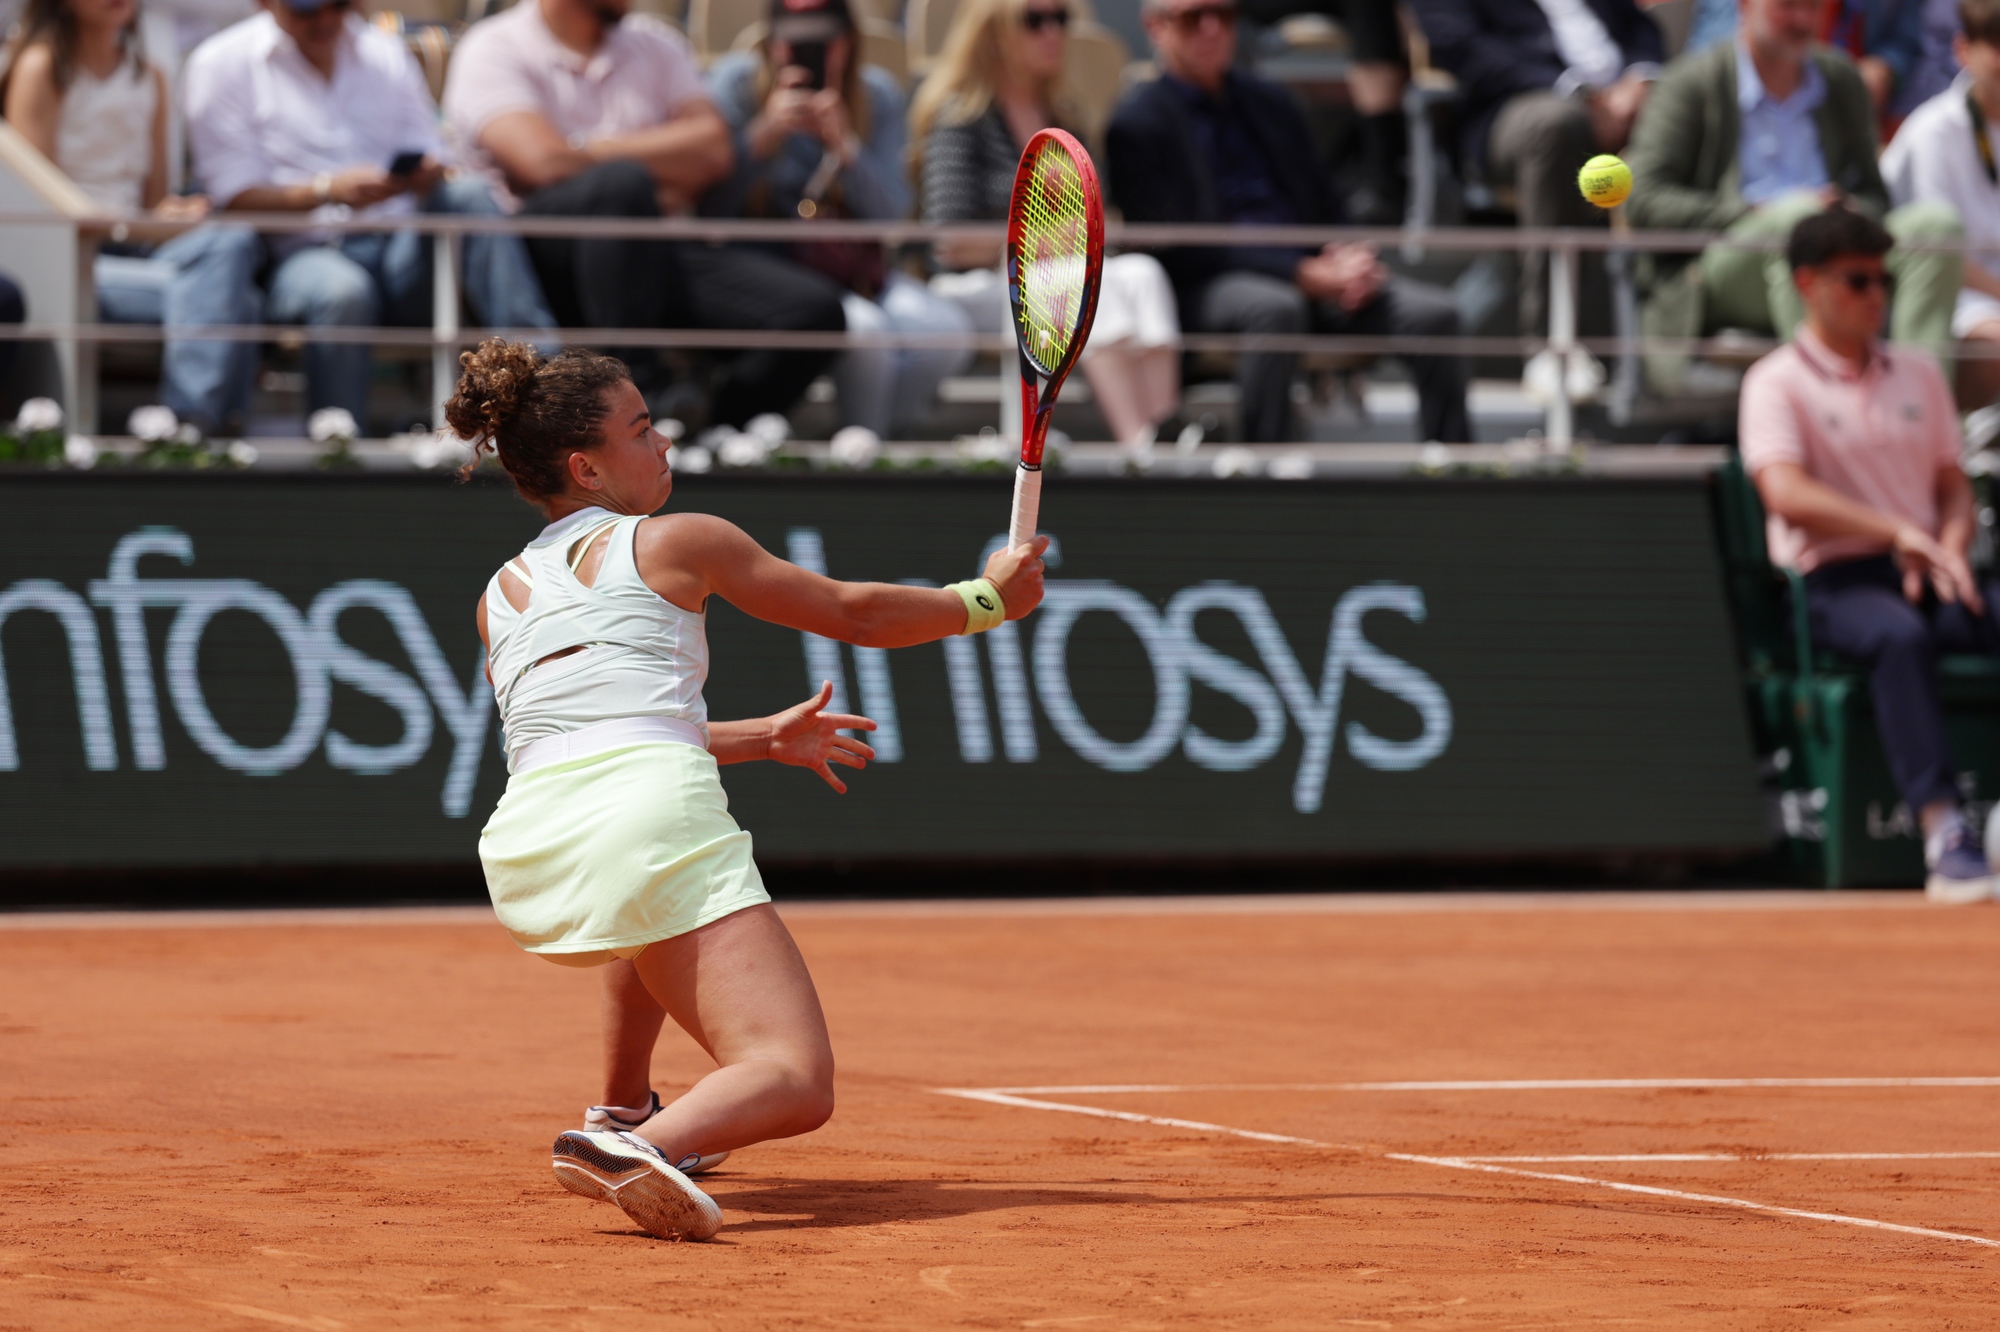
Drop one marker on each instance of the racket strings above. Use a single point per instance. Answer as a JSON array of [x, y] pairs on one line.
[[1052, 259]]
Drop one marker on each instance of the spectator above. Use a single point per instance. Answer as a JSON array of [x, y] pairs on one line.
[[304, 108], [819, 135], [1378, 71], [1945, 155], [1751, 137], [1548, 84], [78, 89], [1937, 62], [1854, 448], [1208, 143], [996, 84], [588, 110], [1884, 37]]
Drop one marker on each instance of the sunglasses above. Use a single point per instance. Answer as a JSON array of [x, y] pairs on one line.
[[1034, 20], [1860, 283], [1190, 19]]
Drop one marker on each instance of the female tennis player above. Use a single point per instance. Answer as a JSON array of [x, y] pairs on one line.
[[613, 844]]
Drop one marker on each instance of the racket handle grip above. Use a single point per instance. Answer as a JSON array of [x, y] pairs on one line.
[[1027, 506]]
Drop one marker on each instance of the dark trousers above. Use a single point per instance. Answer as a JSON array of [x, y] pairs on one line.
[[1254, 302], [1538, 143], [657, 284], [1857, 607], [13, 310]]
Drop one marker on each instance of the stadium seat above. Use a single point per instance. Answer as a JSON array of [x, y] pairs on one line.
[[1838, 812], [713, 26]]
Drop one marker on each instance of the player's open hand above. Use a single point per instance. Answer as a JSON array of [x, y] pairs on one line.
[[808, 736], [1017, 572]]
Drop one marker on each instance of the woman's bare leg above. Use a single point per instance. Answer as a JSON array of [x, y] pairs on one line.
[[632, 1022], [1113, 384], [740, 988], [1157, 373]]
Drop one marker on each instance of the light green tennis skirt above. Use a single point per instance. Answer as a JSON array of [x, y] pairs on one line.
[[597, 857]]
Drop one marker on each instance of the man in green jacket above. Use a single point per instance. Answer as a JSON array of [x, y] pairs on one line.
[[1750, 137]]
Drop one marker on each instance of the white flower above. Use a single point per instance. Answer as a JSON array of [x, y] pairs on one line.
[[332, 425], [987, 446], [1235, 461], [39, 414], [1293, 467], [80, 451], [854, 446], [189, 434], [770, 428], [693, 459], [672, 428], [152, 424], [1434, 457], [242, 452], [438, 448], [742, 450]]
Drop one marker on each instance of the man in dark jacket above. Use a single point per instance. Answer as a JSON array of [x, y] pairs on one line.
[[1547, 86], [1208, 143]]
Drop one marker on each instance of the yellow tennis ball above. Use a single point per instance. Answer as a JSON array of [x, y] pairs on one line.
[[1605, 180]]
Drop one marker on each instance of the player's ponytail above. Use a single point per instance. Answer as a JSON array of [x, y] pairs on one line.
[[532, 413]]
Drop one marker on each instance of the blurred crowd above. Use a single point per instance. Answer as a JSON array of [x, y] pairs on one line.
[[1740, 120]]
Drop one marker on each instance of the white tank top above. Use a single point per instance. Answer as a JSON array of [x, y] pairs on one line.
[[642, 655], [104, 135]]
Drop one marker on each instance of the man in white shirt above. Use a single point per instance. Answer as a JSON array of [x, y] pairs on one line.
[[307, 108], [585, 109], [1948, 152]]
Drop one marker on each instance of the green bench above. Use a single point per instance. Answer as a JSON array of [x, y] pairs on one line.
[[1841, 821]]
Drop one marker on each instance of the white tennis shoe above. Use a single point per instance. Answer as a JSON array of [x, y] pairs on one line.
[[624, 1168], [613, 1118]]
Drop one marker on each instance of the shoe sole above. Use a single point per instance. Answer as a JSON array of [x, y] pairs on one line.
[[651, 1192], [1958, 892]]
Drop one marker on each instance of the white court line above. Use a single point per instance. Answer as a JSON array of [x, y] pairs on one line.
[[1712, 1199], [999, 1096], [1747, 1156], [1504, 1084]]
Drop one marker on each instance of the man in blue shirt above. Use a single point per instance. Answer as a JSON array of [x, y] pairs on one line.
[[1208, 143], [1750, 138]]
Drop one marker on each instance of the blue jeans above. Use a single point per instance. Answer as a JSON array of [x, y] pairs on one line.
[[385, 279], [884, 387], [202, 277]]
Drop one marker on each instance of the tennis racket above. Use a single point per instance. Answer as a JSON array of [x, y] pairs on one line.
[[1055, 256]]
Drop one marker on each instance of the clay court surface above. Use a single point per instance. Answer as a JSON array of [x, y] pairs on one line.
[[343, 1122]]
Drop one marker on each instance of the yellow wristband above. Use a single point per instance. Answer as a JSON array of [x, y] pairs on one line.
[[983, 606]]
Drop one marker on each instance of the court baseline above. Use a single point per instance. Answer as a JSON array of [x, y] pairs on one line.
[[1489, 1165]]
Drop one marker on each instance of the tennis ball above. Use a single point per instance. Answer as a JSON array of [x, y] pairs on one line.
[[1605, 180]]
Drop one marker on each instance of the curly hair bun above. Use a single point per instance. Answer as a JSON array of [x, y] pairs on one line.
[[532, 413], [497, 375]]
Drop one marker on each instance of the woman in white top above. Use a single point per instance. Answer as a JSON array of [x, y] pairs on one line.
[[998, 80], [77, 87], [613, 844]]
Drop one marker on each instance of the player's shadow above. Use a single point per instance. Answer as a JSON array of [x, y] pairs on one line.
[[820, 1204]]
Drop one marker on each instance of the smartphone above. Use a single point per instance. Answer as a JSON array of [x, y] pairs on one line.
[[406, 163], [811, 57]]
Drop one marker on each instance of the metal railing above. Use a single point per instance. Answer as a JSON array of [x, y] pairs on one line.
[[447, 335]]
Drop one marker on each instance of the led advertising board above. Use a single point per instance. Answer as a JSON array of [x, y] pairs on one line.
[[257, 669]]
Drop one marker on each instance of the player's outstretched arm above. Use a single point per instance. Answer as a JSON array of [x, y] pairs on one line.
[[687, 557], [805, 736]]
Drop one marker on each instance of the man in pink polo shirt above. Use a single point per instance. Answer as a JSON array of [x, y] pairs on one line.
[[1854, 447]]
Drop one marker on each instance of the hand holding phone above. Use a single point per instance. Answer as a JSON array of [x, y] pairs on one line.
[[406, 163]]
